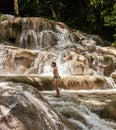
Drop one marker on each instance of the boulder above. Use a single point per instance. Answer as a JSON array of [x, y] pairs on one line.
[[113, 75], [85, 82], [93, 109], [23, 108], [67, 82]]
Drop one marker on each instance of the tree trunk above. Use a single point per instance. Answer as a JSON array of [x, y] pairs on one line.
[[54, 15], [36, 3], [16, 8]]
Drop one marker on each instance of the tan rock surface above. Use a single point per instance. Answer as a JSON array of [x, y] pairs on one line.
[[23, 108]]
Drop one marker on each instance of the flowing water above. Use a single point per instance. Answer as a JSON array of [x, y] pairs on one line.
[[83, 63], [79, 113], [27, 99]]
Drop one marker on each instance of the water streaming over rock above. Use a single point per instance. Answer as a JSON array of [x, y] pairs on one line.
[[78, 52], [29, 45], [78, 107], [23, 108]]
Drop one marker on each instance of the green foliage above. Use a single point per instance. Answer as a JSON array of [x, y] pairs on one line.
[[50, 9], [96, 3], [110, 20], [91, 16], [28, 7], [114, 44], [3, 18]]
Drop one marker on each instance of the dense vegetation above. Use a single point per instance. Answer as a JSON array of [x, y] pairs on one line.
[[91, 16]]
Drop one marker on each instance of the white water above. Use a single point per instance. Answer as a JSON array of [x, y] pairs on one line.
[[93, 120], [65, 104], [65, 44], [25, 35], [111, 82], [28, 98], [83, 91]]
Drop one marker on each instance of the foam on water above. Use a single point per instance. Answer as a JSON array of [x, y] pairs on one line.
[[78, 123], [83, 91], [111, 82], [52, 119], [24, 38], [92, 120]]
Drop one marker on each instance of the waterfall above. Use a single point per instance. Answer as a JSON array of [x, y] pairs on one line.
[[27, 37], [26, 98], [27, 48], [80, 114], [44, 41], [111, 82]]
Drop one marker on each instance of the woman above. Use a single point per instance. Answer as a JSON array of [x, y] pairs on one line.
[[56, 78]]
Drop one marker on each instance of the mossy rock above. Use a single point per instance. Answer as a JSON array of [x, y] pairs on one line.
[[3, 18], [114, 44]]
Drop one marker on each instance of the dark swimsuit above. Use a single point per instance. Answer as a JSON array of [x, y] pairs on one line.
[[57, 77]]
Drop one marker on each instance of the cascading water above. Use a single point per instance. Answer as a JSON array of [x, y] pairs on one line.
[[23, 100], [78, 110], [29, 36], [82, 64], [72, 49]]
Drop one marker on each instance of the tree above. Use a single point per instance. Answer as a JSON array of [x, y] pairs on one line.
[[110, 20], [16, 7], [29, 7], [91, 16], [101, 11], [51, 9]]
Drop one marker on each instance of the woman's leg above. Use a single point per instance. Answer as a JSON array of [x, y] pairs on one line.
[[56, 84], [57, 87]]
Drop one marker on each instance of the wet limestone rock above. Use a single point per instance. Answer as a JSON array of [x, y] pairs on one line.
[[23, 108], [79, 52], [113, 75], [85, 82], [67, 82], [93, 109], [101, 102]]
